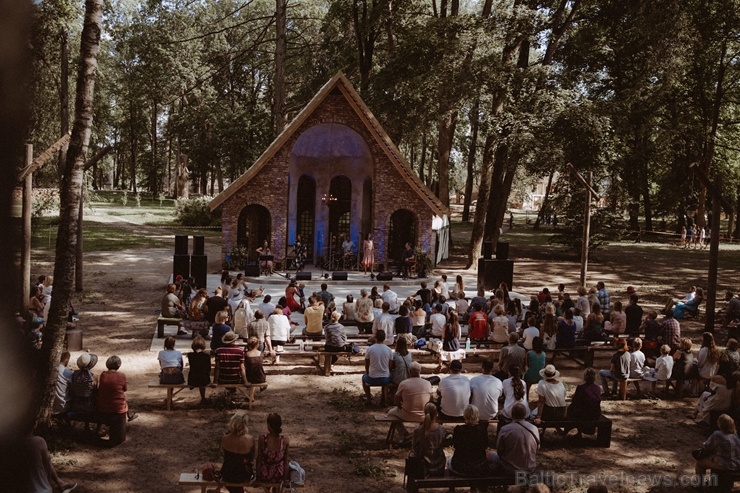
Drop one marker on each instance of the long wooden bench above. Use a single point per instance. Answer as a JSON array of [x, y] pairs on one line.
[[392, 420], [603, 428], [196, 479], [451, 481], [162, 321], [175, 388]]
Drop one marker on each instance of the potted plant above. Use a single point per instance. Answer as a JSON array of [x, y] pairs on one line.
[[423, 262]]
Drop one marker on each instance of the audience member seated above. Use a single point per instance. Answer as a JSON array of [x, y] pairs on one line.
[[516, 446], [312, 317], [412, 395], [663, 366], [717, 397], [230, 367], [707, 363], [653, 334], [681, 308], [511, 355], [683, 364], [593, 329], [403, 323], [293, 297], [170, 363], [238, 448], [279, 333], [721, 451], [485, 391], [619, 369], [551, 394], [470, 441], [419, 318], [260, 329], [514, 393], [535, 362], [63, 387], [586, 403], [530, 333], [451, 335], [377, 365], [633, 314], [500, 325], [112, 403], [637, 359], [219, 329], [349, 309], [199, 361], [84, 384], [617, 323], [272, 453], [549, 330], [729, 362], [566, 337], [427, 442], [384, 322], [171, 306], [454, 392], [401, 362], [253, 362]]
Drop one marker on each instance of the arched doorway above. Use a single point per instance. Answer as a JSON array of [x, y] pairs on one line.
[[253, 228], [402, 229], [340, 190], [306, 206]]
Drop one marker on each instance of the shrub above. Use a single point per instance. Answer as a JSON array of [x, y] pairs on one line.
[[44, 203], [195, 212]]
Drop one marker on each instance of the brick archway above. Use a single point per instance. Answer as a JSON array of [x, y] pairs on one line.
[[401, 229], [254, 227]]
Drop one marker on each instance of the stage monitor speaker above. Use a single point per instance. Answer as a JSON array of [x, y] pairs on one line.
[[488, 250], [502, 250], [385, 276], [181, 266], [199, 245], [338, 276], [181, 244], [199, 269], [492, 272], [252, 270], [303, 276]]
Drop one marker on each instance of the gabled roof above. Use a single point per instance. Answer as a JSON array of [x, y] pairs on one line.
[[339, 81]]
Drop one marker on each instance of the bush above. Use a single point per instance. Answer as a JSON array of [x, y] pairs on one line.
[[195, 212], [42, 204], [237, 258]]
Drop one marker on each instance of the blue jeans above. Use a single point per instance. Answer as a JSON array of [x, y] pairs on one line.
[[607, 375]]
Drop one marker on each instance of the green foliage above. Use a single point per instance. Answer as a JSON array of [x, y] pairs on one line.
[[195, 212], [42, 204], [237, 258]]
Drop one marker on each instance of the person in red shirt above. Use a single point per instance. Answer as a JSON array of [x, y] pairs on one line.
[[478, 324], [112, 403]]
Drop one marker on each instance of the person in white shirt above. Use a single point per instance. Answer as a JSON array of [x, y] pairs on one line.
[[578, 320], [530, 333], [461, 304], [391, 298], [444, 287], [582, 302], [377, 366], [63, 389], [267, 306], [437, 321], [279, 332], [485, 390], [637, 359], [663, 366], [385, 323], [454, 392]]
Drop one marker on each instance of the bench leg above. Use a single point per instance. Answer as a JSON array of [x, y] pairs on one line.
[[169, 398], [327, 365], [623, 390], [588, 360], [604, 434], [160, 329], [389, 436]]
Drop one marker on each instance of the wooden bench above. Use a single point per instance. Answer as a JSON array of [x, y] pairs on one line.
[[79, 417], [162, 321], [622, 392], [326, 357], [451, 481], [392, 420], [196, 479], [175, 388], [603, 428]]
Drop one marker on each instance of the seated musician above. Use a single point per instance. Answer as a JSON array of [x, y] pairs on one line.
[[264, 251], [408, 259], [348, 248]]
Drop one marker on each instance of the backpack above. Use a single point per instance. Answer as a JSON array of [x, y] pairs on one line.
[[297, 474]]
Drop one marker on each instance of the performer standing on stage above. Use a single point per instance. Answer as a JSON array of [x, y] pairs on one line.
[[300, 253], [368, 255]]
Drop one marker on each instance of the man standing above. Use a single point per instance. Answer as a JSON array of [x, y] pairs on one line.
[[384, 324], [517, 444], [312, 316], [511, 355], [454, 392], [377, 366], [633, 312], [604, 299], [391, 298], [412, 395], [619, 369], [485, 390]]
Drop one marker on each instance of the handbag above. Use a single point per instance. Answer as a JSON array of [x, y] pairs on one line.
[[700, 453], [416, 468], [210, 473]]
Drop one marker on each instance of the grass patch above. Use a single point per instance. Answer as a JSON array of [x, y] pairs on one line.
[[345, 400], [97, 237]]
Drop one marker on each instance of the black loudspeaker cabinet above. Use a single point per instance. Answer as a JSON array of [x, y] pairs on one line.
[[181, 244], [252, 270], [338, 276], [199, 245], [492, 272], [488, 250], [303, 276], [199, 269], [181, 266], [385, 276], [502, 250]]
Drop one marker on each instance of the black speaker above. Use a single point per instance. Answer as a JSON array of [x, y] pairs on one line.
[[492, 272], [488, 250], [252, 270], [199, 269], [181, 244], [199, 245], [181, 265], [502, 251], [385, 276], [338, 276], [303, 276]]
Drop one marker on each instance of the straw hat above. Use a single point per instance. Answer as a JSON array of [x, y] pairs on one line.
[[87, 361], [229, 337], [549, 372]]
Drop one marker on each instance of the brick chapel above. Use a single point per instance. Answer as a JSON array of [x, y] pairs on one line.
[[333, 171]]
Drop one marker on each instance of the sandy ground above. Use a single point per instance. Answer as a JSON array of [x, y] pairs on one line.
[[332, 434]]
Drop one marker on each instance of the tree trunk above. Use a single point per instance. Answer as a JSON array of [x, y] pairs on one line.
[[154, 173], [281, 48], [474, 119], [446, 127], [736, 232], [63, 98], [430, 179], [647, 204], [545, 201], [423, 159], [70, 196], [479, 220]]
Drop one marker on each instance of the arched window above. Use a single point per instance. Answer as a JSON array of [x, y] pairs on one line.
[[340, 209], [401, 229], [306, 211], [253, 228]]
